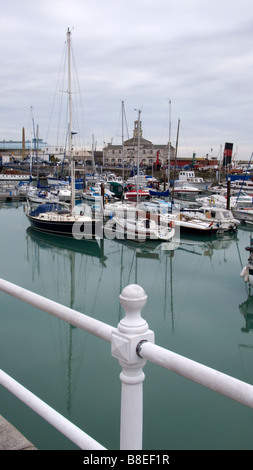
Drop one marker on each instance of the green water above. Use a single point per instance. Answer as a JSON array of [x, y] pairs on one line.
[[195, 298]]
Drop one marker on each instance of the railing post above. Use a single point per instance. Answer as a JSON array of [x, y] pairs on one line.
[[132, 329]]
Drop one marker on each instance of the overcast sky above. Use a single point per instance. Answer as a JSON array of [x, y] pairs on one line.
[[196, 53]]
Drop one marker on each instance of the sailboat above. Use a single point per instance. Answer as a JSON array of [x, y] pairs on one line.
[[54, 218]]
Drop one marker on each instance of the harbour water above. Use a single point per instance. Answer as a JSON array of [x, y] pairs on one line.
[[198, 306]]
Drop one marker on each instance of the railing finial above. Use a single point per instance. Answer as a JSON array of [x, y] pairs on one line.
[[133, 298], [132, 329]]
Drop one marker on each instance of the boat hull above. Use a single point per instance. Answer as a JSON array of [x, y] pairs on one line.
[[139, 229], [244, 215], [76, 229], [197, 230]]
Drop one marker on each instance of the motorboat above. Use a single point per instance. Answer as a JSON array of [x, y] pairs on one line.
[[170, 214], [138, 228], [223, 218], [191, 179], [243, 185], [190, 224], [243, 214], [133, 195], [185, 188], [241, 199]]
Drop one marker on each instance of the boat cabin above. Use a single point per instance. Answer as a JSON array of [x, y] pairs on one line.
[[190, 177]]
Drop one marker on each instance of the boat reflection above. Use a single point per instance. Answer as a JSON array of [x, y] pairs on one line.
[[192, 243], [206, 245], [69, 343], [94, 248], [246, 309]]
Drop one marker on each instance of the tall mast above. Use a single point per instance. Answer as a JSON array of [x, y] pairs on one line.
[[69, 91], [138, 156], [93, 154], [175, 164], [70, 145], [123, 164], [23, 143], [168, 175]]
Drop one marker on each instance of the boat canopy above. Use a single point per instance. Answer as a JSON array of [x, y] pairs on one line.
[[42, 208], [159, 193]]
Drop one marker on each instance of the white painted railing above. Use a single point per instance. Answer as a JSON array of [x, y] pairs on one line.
[[132, 343], [72, 432]]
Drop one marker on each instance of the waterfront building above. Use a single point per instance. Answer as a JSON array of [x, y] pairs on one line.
[[59, 152], [127, 154]]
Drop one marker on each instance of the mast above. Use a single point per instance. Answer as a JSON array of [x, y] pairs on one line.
[[37, 153], [220, 163], [168, 172], [23, 143], [93, 154], [175, 164], [138, 156], [70, 145], [122, 110]]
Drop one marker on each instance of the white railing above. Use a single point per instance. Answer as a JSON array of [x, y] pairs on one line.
[[132, 343], [72, 432]]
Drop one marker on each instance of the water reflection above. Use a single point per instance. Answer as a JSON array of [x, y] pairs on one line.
[[69, 342], [206, 245], [87, 247], [119, 258], [152, 264], [246, 309]]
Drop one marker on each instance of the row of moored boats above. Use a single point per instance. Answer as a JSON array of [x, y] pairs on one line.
[[139, 211]]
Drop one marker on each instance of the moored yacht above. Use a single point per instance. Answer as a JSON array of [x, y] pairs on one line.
[[223, 218], [190, 178], [65, 221], [139, 228]]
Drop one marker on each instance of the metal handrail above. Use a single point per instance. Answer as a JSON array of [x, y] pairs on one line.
[[68, 429], [199, 373], [86, 323], [132, 343]]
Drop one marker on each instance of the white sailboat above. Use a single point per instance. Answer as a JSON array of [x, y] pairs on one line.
[[53, 218], [139, 228]]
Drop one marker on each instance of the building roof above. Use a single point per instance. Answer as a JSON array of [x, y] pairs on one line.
[[134, 141]]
